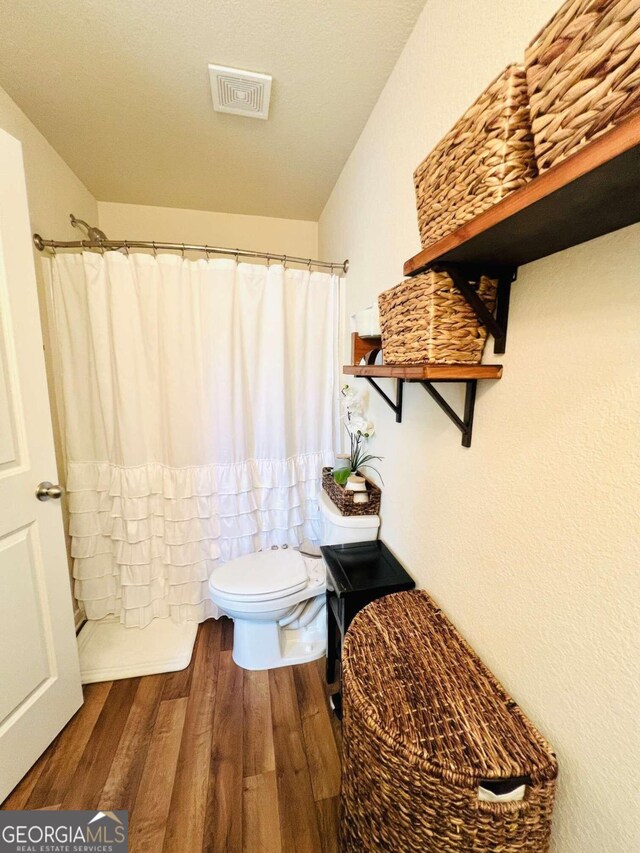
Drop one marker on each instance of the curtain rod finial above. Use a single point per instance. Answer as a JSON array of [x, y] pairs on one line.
[[345, 266], [38, 242]]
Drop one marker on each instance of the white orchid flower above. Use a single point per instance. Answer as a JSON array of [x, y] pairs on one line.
[[351, 403], [360, 426]]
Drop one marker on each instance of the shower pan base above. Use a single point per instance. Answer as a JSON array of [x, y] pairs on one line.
[[109, 651]]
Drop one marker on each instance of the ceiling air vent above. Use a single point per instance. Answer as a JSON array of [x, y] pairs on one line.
[[243, 93]]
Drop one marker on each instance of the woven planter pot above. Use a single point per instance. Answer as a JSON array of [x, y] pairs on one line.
[[426, 320], [487, 155], [343, 498], [425, 723], [583, 75]]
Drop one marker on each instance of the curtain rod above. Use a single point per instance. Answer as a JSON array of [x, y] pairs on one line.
[[41, 244]]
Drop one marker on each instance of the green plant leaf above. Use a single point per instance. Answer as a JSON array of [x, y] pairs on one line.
[[341, 475], [367, 457]]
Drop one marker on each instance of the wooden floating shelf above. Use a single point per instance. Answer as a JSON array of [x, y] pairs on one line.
[[422, 374], [591, 193], [426, 372]]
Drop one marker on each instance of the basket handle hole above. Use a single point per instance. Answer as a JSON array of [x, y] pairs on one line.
[[503, 790]]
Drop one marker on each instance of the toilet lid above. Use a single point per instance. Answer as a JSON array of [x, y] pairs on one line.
[[264, 573]]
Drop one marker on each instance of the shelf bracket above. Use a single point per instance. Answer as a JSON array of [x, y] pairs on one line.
[[465, 425], [395, 407], [464, 275]]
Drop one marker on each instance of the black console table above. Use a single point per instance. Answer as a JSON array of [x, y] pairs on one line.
[[357, 574]]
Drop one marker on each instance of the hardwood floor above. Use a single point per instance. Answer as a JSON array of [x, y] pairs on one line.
[[213, 758]]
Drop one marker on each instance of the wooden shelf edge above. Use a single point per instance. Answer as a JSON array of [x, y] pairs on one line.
[[432, 372], [362, 346], [594, 154]]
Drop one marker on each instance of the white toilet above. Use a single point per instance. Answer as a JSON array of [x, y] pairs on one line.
[[276, 598]]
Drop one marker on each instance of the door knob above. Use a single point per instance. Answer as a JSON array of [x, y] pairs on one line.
[[47, 490]]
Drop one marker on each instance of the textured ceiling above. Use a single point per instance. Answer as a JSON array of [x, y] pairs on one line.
[[121, 90]]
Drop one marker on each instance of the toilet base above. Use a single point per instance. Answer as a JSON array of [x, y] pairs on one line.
[[265, 645]]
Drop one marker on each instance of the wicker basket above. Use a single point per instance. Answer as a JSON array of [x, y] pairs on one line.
[[343, 498], [425, 723], [583, 75], [487, 155], [425, 319]]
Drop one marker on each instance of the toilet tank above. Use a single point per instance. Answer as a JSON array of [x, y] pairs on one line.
[[340, 529]]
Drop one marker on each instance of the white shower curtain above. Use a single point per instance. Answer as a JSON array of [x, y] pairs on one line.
[[198, 404]]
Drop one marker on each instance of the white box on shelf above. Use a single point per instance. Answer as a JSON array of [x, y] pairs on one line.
[[366, 322]]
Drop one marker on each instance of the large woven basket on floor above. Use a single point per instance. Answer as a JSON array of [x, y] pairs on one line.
[[583, 74], [425, 319], [424, 723], [487, 155], [343, 498]]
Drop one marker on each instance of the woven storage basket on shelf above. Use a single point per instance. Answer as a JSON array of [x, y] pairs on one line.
[[424, 723], [425, 319], [343, 498], [487, 155], [583, 75]]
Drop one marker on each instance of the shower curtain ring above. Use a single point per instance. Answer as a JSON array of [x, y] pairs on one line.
[[126, 248], [155, 249], [182, 251], [206, 252], [268, 260], [309, 264], [237, 255], [284, 262]]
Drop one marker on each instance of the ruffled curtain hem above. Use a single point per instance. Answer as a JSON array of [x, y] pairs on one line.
[[140, 617], [146, 538]]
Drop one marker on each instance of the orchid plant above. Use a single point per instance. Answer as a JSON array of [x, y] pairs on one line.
[[360, 430]]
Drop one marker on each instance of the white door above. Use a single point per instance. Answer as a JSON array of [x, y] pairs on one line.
[[39, 673]]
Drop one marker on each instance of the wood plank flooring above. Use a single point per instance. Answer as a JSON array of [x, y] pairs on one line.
[[213, 758]]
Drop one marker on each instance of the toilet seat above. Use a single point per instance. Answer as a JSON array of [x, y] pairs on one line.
[[264, 576], [277, 598]]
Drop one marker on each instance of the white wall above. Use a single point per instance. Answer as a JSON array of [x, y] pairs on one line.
[[54, 191], [529, 539], [228, 230]]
